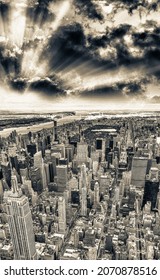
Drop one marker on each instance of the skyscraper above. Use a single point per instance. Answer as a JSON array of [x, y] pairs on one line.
[[55, 137], [82, 153], [83, 178], [69, 153], [62, 215], [100, 146], [36, 178], [31, 148], [62, 177], [1, 185], [38, 159], [20, 223], [96, 194], [38, 162], [83, 190], [138, 172], [151, 188], [6, 168], [84, 202]]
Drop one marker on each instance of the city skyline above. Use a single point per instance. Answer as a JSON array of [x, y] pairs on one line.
[[82, 189], [79, 130]]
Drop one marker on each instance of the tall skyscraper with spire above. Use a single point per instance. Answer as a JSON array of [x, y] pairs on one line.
[[20, 223]]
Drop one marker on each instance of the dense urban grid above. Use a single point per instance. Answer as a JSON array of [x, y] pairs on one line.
[[88, 189]]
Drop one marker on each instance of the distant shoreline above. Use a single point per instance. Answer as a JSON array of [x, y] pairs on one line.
[[24, 129], [36, 127], [67, 119]]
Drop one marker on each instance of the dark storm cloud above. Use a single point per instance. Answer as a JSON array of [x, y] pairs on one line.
[[119, 31], [4, 13], [66, 46], [134, 89], [44, 3], [89, 8], [70, 46], [19, 84], [124, 58], [11, 65], [4, 9], [10, 59], [103, 91], [133, 5], [129, 88], [111, 34], [152, 60], [97, 42], [148, 41], [47, 87], [113, 39], [39, 12]]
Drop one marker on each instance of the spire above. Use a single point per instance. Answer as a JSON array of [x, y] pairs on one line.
[[14, 183]]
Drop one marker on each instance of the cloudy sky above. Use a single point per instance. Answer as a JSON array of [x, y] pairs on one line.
[[65, 53]]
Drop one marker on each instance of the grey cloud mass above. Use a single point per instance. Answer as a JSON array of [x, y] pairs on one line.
[[80, 38]]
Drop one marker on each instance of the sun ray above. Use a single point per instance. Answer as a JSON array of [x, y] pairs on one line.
[[37, 67], [18, 21], [38, 44]]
